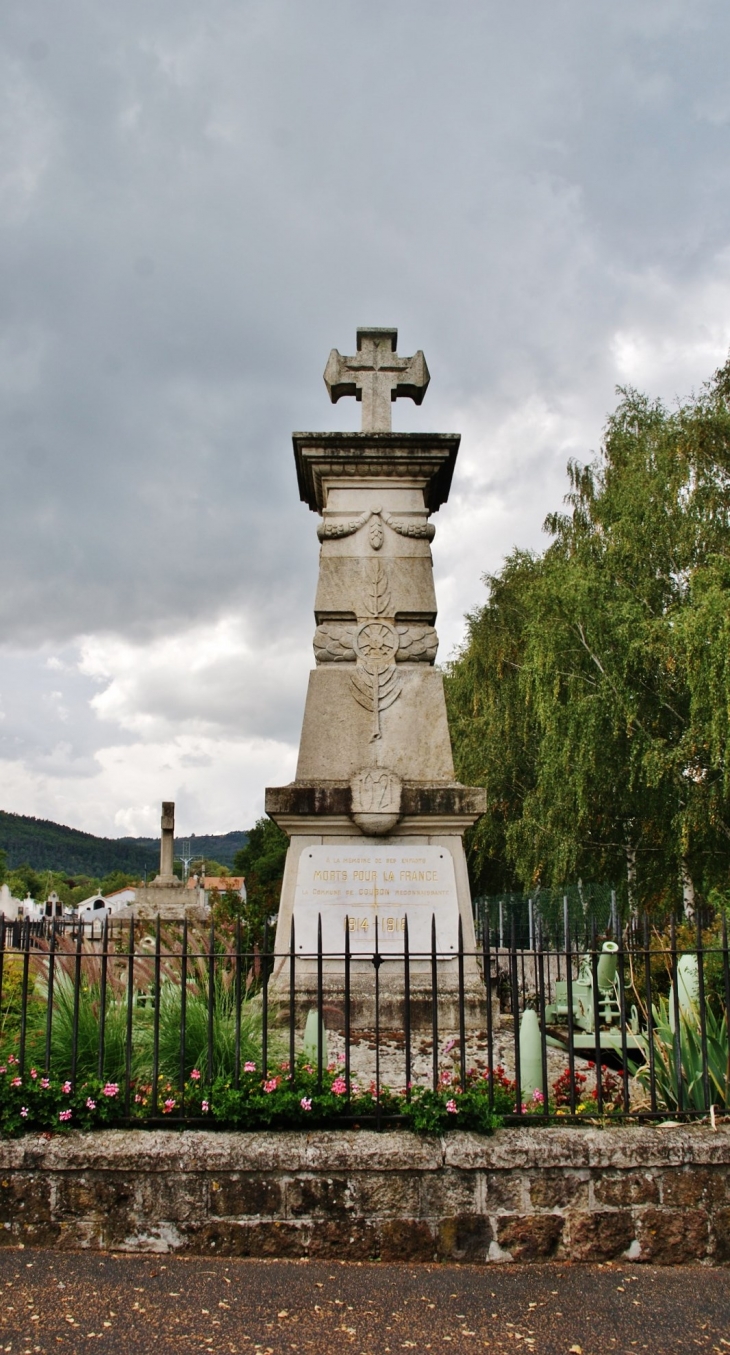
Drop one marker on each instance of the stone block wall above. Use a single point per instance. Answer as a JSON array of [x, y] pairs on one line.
[[527, 1195]]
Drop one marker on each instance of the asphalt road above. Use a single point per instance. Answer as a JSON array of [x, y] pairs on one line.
[[88, 1302]]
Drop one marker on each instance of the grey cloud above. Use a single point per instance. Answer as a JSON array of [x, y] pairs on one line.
[[48, 724], [198, 202], [227, 195]]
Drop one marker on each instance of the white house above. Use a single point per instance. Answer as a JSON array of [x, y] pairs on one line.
[[9, 906], [101, 905]]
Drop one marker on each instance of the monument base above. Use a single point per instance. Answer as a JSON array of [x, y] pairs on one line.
[[338, 876], [391, 1012], [171, 903]]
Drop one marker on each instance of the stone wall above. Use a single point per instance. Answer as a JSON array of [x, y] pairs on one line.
[[656, 1195]]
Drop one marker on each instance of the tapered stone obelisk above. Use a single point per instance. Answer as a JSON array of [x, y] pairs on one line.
[[375, 817]]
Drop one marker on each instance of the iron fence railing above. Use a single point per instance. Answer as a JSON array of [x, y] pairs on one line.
[[548, 915], [635, 1025], [553, 918]]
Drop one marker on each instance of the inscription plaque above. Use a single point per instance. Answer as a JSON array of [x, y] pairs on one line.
[[374, 889]]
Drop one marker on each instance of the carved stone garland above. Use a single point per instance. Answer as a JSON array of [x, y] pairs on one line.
[[420, 531]]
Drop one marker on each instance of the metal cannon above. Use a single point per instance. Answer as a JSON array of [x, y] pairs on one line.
[[593, 1008]]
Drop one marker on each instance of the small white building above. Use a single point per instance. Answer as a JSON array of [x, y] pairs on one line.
[[9, 906], [105, 905]]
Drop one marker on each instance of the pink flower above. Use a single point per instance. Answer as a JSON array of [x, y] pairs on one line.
[[271, 1085], [449, 1046], [34, 1073], [24, 1111], [205, 1107], [111, 1089], [168, 1106], [45, 1083], [137, 1098], [90, 1105], [65, 1114], [446, 1078], [66, 1087], [537, 1096], [452, 1107], [12, 1058], [339, 1086], [341, 1058], [17, 1082], [306, 1103], [3, 1069], [195, 1075], [249, 1067]]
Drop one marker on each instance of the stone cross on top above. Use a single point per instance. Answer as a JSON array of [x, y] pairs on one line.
[[376, 376]]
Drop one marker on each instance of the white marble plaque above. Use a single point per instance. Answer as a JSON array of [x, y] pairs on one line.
[[373, 890]]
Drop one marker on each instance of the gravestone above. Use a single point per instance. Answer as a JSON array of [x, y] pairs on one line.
[[375, 816]]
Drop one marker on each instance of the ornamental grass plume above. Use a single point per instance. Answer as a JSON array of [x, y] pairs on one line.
[[83, 1012]]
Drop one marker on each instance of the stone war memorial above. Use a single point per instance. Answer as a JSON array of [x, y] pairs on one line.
[[375, 816], [377, 1085]]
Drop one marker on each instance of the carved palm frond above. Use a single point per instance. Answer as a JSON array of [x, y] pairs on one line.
[[378, 593], [389, 686], [362, 682], [375, 689]]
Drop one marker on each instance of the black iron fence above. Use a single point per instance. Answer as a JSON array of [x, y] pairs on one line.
[[554, 918], [633, 1024]]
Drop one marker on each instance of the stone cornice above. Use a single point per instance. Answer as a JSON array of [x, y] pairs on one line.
[[427, 458], [425, 805]]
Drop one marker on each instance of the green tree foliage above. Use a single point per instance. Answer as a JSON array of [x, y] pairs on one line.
[[592, 695], [117, 879], [25, 880], [261, 862], [203, 865]]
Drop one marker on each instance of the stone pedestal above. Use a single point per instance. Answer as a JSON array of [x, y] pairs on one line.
[[375, 804], [172, 903]]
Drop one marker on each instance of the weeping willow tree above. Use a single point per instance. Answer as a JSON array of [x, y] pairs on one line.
[[592, 695]]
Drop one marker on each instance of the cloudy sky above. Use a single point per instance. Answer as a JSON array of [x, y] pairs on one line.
[[199, 200]]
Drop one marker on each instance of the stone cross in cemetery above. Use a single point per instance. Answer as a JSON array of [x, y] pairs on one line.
[[165, 896], [375, 816], [167, 845]]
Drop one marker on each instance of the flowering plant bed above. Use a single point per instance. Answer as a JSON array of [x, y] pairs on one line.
[[275, 1100]]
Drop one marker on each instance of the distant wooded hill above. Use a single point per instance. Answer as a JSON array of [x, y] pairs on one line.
[[52, 846], [220, 847]]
